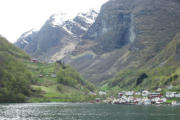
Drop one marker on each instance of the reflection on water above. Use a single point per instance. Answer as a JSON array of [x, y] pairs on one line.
[[72, 111]]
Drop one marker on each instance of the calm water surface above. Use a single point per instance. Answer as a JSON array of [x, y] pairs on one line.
[[72, 111]]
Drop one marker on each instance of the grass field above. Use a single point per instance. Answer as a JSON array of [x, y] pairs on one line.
[[47, 88]]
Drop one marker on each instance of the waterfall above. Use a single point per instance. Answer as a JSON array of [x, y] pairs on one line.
[[132, 35]]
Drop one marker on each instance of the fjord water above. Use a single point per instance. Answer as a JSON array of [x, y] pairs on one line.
[[72, 111]]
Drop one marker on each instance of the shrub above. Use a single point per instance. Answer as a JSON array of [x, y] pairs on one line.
[[60, 88], [141, 78]]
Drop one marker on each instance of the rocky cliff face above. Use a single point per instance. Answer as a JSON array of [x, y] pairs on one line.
[[121, 22], [57, 37], [126, 34], [113, 28]]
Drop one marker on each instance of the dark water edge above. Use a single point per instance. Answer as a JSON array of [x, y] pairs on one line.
[[85, 111]]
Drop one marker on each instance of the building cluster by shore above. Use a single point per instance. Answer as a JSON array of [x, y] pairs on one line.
[[140, 98]]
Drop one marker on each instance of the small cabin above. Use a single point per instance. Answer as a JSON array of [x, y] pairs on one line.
[[154, 95], [40, 75], [120, 94], [34, 60]]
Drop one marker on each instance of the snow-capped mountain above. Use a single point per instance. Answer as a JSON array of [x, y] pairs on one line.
[[81, 23], [76, 26], [58, 36]]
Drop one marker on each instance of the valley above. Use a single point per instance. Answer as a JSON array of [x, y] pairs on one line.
[[127, 45], [90, 60]]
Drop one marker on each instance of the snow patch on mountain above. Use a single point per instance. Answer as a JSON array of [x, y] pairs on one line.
[[60, 18], [89, 16], [67, 22], [23, 39], [68, 30]]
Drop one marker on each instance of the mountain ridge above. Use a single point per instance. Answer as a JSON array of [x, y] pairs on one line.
[[125, 35], [52, 40]]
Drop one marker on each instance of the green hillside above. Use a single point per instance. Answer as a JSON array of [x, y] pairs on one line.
[[24, 81], [68, 85], [15, 79], [161, 71]]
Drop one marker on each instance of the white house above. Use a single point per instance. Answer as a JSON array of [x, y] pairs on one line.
[[129, 93], [159, 100], [170, 94], [138, 93], [177, 95], [145, 93], [155, 94]]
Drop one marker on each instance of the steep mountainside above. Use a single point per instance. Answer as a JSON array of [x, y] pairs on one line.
[[161, 71], [57, 37], [127, 34], [15, 79], [128, 37]]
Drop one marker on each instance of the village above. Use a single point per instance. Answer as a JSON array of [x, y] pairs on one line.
[[144, 97]]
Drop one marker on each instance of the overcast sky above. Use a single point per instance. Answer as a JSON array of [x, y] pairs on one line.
[[19, 16]]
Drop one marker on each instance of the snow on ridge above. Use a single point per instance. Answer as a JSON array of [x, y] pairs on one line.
[[89, 16], [67, 30], [24, 35], [86, 19], [80, 26], [23, 41], [75, 23], [59, 18], [29, 32]]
